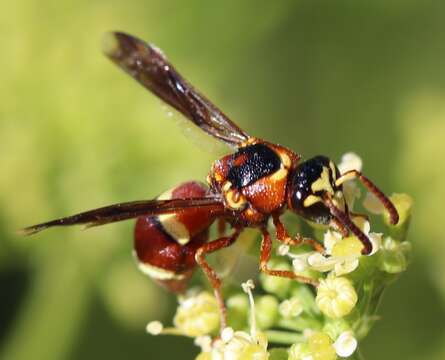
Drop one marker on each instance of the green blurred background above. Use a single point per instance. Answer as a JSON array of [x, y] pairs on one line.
[[76, 133]]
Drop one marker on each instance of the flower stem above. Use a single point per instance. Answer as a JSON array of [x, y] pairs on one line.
[[284, 337]]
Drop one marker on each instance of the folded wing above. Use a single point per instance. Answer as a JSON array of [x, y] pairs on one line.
[[129, 210], [150, 68]]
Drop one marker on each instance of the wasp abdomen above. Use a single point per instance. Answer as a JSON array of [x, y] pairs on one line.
[[165, 245]]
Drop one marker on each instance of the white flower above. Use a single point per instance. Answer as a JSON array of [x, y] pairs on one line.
[[346, 344], [350, 161], [365, 227], [339, 264], [336, 296], [344, 253], [299, 261], [238, 345]]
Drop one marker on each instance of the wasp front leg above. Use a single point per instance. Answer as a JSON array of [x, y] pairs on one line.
[[265, 253], [284, 237], [215, 281]]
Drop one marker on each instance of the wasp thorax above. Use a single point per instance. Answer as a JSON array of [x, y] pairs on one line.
[[311, 181]]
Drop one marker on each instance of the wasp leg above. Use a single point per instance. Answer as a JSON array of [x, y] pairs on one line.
[[215, 281], [338, 226], [354, 174], [266, 248], [221, 226], [284, 237], [344, 219]]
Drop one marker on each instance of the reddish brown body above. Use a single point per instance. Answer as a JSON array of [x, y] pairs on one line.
[[165, 245]]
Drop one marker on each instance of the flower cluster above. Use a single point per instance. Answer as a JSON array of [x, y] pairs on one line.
[[290, 320]]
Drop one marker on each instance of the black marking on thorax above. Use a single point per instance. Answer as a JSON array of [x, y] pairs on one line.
[[255, 162]]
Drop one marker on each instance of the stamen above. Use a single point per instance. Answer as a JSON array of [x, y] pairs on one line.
[[154, 328], [248, 286]]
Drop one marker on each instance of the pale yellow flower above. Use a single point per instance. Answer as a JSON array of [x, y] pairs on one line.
[[197, 315], [318, 347], [238, 345], [336, 296]]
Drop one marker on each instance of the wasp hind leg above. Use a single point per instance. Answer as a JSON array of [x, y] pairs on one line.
[[215, 281]]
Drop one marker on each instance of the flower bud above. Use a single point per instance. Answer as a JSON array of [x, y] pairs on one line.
[[197, 315], [237, 311], [394, 256], [335, 327], [318, 347], [291, 308], [306, 298], [346, 344], [277, 285], [403, 204], [336, 297], [266, 311]]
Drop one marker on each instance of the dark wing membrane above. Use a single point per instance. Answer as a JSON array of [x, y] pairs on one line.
[[149, 67], [129, 210]]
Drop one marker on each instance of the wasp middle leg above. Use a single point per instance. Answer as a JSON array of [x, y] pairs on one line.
[[265, 253], [284, 237]]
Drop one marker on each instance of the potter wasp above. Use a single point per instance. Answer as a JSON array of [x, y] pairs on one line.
[[258, 181]]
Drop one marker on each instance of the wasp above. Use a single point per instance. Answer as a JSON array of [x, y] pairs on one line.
[[259, 181]]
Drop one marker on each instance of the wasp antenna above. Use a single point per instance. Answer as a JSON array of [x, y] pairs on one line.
[[344, 219], [389, 206]]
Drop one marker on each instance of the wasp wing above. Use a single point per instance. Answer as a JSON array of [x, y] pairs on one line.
[[150, 68], [129, 210]]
